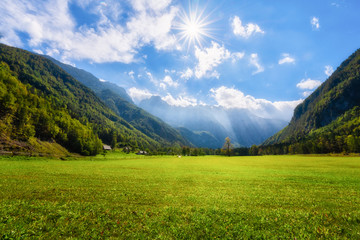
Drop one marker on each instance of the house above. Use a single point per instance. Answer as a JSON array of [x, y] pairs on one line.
[[106, 147], [142, 153]]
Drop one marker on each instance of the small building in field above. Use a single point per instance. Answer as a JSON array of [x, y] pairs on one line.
[[142, 153], [106, 147]]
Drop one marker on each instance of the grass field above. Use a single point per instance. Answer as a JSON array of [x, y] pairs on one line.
[[132, 197]]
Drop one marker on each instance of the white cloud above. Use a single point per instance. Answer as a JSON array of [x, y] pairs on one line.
[[163, 86], [233, 98], [180, 101], [50, 25], [209, 58], [146, 28], [187, 74], [138, 95], [237, 56], [315, 23], [244, 31], [39, 22], [131, 74], [155, 5], [38, 51], [168, 81], [169, 71], [308, 84], [286, 58], [151, 78], [307, 93], [214, 74], [102, 80], [254, 60], [328, 70]]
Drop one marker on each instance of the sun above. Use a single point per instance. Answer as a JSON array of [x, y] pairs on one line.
[[193, 27]]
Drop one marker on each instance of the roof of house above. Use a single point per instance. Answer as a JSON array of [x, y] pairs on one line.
[[141, 153], [106, 147]]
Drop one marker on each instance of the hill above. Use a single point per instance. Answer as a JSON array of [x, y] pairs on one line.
[[209, 126], [328, 120], [39, 100], [120, 102]]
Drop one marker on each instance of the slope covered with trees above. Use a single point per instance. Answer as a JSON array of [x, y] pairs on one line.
[[142, 120], [121, 103], [328, 120], [40, 100], [91, 81]]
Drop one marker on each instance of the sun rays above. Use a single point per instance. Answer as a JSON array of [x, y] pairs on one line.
[[193, 27]]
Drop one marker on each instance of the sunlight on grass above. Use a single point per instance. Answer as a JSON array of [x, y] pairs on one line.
[[131, 196]]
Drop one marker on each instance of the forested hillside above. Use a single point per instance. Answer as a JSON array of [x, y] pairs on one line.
[[40, 100], [142, 120], [91, 81], [328, 120], [120, 102]]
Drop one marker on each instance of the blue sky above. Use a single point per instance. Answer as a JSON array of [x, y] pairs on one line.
[[265, 56]]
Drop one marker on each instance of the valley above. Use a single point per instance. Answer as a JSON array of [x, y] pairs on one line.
[[130, 196], [163, 119]]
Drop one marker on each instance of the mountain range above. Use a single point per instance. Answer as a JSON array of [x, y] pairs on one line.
[[48, 106], [201, 126]]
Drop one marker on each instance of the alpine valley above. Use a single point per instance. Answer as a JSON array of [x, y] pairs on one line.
[[51, 107], [200, 126]]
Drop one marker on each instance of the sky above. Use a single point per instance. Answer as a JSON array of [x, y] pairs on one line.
[[264, 56]]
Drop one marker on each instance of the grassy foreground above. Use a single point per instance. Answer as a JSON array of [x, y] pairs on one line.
[[125, 197]]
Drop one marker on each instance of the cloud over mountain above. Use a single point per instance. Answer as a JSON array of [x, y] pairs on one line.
[[233, 98], [308, 84]]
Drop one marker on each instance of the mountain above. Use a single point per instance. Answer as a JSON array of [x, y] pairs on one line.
[[202, 139], [142, 120], [214, 123], [329, 117], [120, 102], [91, 81], [39, 102], [252, 129]]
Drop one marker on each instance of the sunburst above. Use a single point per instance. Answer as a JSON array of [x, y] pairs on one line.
[[193, 27]]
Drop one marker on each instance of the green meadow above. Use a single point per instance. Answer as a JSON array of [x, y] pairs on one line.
[[151, 197]]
